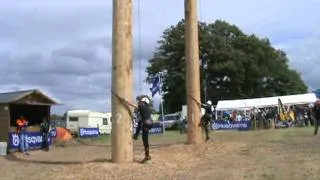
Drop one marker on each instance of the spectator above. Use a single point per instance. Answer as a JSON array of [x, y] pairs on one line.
[[316, 111], [45, 130], [22, 125]]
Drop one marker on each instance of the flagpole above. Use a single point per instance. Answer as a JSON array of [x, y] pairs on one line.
[[162, 114]]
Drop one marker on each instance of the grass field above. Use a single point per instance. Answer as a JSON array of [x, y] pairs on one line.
[[267, 154]]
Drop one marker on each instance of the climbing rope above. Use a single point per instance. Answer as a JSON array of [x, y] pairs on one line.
[[124, 102], [198, 103], [139, 48], [200, 12]]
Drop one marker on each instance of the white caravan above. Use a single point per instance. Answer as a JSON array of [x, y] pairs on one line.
[[171, 119], [76, 119], [184, 112]]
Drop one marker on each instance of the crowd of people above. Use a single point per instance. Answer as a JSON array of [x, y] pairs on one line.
[[292, 116]]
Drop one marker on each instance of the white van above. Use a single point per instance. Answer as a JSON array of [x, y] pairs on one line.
[[76, 119]]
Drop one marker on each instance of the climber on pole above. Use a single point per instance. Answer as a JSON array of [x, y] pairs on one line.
[[146, 121], [206, 118]]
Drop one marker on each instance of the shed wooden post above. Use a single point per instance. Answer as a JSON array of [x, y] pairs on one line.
[[4, 123], [192, 72], [122, 147]]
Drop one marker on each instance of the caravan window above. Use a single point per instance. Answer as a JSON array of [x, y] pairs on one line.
[[105, 121], [73, 118]]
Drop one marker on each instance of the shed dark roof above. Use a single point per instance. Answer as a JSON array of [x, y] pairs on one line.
[[10, 97]]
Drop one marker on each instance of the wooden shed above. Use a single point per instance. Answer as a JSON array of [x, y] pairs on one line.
[[32, 104]]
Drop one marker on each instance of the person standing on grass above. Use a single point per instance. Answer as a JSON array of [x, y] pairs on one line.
[[45, 131], [316, 112], [22, 125], [144, 112]]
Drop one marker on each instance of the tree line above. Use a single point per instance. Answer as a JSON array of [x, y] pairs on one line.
[[233, 65]]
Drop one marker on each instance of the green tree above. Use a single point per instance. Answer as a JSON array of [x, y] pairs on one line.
[[232, 64]]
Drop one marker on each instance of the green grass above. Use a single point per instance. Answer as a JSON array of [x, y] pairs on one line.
[[169, 136], [274, 136]]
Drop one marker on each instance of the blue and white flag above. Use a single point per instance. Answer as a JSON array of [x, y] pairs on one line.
[[155, 85]]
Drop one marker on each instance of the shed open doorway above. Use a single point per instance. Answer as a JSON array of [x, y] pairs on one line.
[[32, 104]]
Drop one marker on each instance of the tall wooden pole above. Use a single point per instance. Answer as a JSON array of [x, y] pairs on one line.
[[122, 83], [192, 72]]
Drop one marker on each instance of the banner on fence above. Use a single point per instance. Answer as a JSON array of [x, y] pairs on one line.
[[157, 128], [88, 132], [34, 140], [53, 132], [227, 125]]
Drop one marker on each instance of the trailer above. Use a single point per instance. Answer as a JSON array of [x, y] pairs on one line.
[[184, 112], [76, 119]]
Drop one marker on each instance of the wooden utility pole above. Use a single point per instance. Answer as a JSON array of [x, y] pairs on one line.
[[192, 72], [122, 83]]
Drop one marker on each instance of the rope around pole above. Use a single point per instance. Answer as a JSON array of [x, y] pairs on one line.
[[124, 102], [198, 103]]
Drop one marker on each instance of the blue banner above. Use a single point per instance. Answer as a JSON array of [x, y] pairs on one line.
[[53, 132], [227, 125], [34, 140], [88, 132], [157, 128]]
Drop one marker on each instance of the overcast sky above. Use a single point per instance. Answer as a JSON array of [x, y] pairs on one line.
[[64, 47]]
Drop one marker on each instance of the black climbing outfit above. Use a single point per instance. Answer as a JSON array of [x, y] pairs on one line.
[[206, 119], [144, 123]]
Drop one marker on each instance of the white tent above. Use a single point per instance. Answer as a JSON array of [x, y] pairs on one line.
[[265, 102]]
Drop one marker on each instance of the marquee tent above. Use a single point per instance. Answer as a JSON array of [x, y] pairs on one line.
[[266, 102]]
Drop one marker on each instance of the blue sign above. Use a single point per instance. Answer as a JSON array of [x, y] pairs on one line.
[[88, 132], [227, 125], [157, 128], [34, 140], [53, 132], [317, 93]]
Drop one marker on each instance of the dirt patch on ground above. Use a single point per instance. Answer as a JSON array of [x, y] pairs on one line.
[[273, 154]]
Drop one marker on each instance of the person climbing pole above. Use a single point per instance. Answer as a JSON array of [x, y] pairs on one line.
[[138, 121], [146, 121], [206, 118]]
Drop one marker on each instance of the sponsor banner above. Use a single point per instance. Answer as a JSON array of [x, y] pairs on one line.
[[34, 140], [88, 132], [53, 132], [227, 125], [157, 128]]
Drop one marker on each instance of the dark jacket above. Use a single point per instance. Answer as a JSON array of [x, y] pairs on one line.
[[316, 111], [45, 127], [144, 111]]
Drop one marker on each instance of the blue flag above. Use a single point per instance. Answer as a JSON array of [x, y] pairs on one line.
[[317, 92], [155, 85]]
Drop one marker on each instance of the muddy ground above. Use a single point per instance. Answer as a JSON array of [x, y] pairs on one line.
[[266, 154]]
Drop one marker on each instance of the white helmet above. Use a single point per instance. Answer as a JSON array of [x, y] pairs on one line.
[[145, 99], [209, 102]]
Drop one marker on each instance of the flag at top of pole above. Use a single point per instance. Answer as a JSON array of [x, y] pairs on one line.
[[155, 85]]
